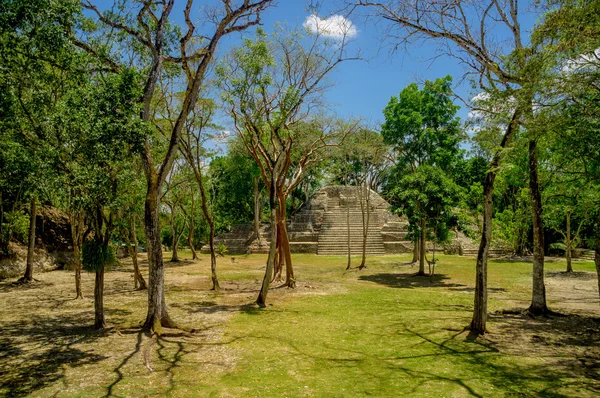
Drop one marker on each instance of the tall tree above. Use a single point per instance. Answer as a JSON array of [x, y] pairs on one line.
[[424, 130], [149, 25], [271, 88], [502, 66]]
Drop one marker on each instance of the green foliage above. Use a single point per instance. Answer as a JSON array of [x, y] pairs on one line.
[[221, 250], [232, 180], [95, 255], [426, 194], [422, 124], [15, 226]]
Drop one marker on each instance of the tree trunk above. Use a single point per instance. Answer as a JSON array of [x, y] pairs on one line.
[[478, 323], [99, 300], [28, 277], [416, 250], [366, 213], [139, 282], [597, 251], [77, 238], [191, 231], [290, 279], [211, 226], [422, 242], [568, 243], [174, 240], [349, 265], [264, 290], [257, 210], [538, 299], [284, 241], [213, 258], [157, 315]]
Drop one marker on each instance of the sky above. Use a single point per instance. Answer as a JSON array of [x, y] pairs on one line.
[[363, 87]]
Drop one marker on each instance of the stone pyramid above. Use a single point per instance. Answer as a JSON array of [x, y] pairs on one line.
[[321, 227]]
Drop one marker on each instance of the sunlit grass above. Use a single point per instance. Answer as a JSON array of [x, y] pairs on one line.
[[379, 332]]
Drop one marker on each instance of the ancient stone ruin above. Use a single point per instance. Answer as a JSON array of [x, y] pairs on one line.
[[321, 227]]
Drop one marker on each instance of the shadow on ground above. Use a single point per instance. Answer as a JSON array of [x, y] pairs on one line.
[[23, 372], [409, 281]]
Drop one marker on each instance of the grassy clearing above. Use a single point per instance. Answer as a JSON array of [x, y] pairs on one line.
[[379, 332]]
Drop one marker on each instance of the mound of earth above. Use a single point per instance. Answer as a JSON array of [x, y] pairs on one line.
[[53, 247]]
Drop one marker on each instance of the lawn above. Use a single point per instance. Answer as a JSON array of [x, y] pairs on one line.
[[378, 332]]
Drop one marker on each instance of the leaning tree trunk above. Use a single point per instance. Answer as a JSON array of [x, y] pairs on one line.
[[568, 243], [28, 277], [138, 280], [264, 290], [597, 251], [538, 299], [157, 315], [211, 227], [478, 323]]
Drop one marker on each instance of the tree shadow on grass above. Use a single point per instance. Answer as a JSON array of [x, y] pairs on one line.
[[409, 281], [10, 286], [36, 352]]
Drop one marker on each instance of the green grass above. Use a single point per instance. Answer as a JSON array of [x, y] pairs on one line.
[[377, 332]]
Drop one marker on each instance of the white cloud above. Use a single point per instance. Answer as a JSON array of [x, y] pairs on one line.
[[335, 26]]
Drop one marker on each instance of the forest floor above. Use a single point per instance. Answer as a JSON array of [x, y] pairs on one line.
[[380, 332]]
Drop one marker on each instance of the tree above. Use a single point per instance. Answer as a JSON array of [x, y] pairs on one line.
[[361, 160], [271, 88], [422, 126], [35, 49], [193, 148], [570, 102], [149, 25], [502, 67]]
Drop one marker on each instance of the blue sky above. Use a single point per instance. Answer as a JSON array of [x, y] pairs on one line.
[[362, 88]]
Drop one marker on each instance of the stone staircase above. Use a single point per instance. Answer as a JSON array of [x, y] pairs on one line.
[[383, 236]]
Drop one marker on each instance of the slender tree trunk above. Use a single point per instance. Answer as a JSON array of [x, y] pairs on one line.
[[290, 279], [257, 210], [157, 315], [77, 226], [191, 231], [174, 240], [28, 277], [422, 243], [478, 323], [138, 279], [284, 241], [213, 258], [211, 227], [262, 296], [349, 265], [416, 250], [568, 248], [597, 251], [99, 322], [538, 299], [366, 215]]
